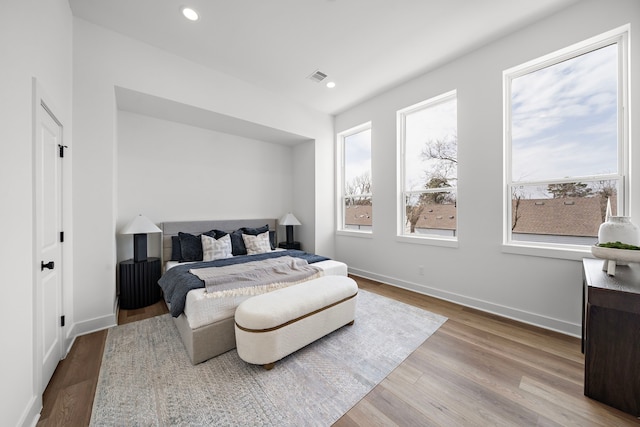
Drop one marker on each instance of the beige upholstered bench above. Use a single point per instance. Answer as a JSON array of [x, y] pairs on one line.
[[273, 325]]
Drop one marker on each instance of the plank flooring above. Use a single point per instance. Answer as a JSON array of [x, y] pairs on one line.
[[478, 369]]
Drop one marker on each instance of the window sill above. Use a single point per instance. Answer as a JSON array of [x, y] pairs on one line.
[[428, 241], [574, 253], [354, 233]]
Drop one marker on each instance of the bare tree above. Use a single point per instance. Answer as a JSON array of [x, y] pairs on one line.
[[606, 190], [445, 153], [516, 194], [413, 215], [358, 186]]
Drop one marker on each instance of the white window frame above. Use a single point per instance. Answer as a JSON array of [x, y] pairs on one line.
[[619, 36], [340, 181], [426, 239]]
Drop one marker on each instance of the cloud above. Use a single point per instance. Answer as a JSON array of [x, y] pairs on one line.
[[564, 118], [357, 153], [552, 96]]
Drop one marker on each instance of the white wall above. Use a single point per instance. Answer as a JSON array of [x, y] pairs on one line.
[[305, 171], [103, 60], [170, 171], [543, 291], [35, 41]]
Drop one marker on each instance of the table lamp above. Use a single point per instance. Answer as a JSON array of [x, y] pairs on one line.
[[140, 226], [289, 220]]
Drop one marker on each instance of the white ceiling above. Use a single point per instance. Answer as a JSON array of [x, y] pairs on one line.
[[365, 46]]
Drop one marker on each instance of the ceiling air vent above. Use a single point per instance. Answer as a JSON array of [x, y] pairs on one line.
[[317, 76]]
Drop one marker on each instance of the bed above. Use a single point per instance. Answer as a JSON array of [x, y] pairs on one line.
[[205, 323]]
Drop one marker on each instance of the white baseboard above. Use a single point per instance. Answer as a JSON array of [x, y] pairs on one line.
[[534, 319], [92, 325], [68, 342], [31, 414]]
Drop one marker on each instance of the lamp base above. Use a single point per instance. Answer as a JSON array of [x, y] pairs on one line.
[[289, 234], [139, 247]]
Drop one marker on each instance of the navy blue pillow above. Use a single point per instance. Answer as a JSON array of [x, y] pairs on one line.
[[216, 234], [255, 231], [190, 247], [237, 243], [176, 252], [272, 239]]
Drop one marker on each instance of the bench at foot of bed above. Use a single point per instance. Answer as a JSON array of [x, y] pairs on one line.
[[271, 326]]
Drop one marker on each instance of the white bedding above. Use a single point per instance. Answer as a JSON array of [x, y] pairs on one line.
[[201, 310]]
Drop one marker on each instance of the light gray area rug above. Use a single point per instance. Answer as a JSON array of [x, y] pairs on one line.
[[146, 378]]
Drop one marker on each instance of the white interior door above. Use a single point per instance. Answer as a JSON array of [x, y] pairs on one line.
[[48, 224]]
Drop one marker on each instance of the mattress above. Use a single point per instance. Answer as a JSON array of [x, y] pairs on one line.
[[200, 309]]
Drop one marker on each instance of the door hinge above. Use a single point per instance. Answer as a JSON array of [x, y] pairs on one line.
[[62, 147], [61, 321], [61, 236]]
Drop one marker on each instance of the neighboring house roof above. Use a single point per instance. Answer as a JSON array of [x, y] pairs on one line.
[[434, 216], [570, 216], [358, 215], [442, 217]]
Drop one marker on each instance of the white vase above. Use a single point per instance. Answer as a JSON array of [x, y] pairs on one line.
[[619, 229]]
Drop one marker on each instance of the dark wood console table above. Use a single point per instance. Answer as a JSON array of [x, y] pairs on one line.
[[611, 335]]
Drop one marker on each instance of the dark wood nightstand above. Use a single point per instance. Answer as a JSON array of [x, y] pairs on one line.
[[139, 283], [285, 245]]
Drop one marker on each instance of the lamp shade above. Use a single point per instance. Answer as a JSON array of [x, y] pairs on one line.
[[289, 219], [140, 225]]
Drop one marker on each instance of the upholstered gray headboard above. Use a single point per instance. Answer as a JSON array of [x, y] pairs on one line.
[[172, 228]]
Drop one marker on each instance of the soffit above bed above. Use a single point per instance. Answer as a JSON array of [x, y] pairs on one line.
[[165, 109]]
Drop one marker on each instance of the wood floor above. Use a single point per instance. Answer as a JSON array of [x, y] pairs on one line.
[[476, 370], [68, 399]]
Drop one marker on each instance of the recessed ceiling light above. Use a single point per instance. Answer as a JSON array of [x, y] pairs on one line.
[[331, 85], [190, 14]]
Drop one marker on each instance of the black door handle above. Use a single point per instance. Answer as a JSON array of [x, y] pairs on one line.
[[48, 265]]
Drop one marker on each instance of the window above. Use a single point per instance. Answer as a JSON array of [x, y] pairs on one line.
[[428, 145], [355, 206], [566, 144]]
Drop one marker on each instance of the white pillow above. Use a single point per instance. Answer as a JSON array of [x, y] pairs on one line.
[[213, 249], [257, 244]]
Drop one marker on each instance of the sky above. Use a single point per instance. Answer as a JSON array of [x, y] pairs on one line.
[[564, 119], [435, 122], [357, 155], [564, 124]]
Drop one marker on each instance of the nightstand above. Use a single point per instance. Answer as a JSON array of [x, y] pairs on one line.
[[139, 283], [285, 245]]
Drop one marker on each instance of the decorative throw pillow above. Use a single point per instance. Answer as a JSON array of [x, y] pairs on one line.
[[237, 244], [257, 244], [216, 233], [255, 231], [190, 247], [260, 230], [213, 249], [272, 239], [176, 252]]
